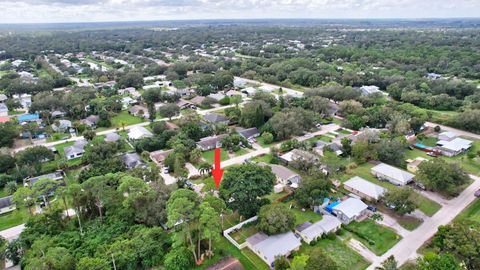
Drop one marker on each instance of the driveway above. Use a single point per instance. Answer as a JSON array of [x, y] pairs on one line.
[[458, 131], [392, 223], [12, 233], [407, 247]]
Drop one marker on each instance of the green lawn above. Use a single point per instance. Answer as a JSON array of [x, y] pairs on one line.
[[241, 152], [381, 238], [303, 216], [340, 253], [126, 119], [246, 231], [13, 218], [262, 143], [274, 196], [15, 112], [267, 158], [209, 156], [343, 131], [427, 206], [471, 213], [223, 248], [58, 136]]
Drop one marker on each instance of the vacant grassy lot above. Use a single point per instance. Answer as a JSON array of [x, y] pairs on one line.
[[381, 238], [427, 206], [124, 118], [340, 253]]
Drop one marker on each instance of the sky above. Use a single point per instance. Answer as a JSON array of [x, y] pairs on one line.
[[48, 11]]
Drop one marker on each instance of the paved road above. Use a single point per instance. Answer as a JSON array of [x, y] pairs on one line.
[[407, 247], [458, 131]]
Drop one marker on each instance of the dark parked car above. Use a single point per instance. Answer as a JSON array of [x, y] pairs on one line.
[[372, 208], [477, 193]]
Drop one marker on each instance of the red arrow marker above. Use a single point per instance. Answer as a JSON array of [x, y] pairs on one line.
[[217, 172]]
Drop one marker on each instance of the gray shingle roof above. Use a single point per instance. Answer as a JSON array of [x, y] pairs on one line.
[[394, 173], [215, 118], [277, 245]]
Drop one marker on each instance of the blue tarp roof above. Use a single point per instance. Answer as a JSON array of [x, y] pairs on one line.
[[28, 117], [419, 145], [330, 206]]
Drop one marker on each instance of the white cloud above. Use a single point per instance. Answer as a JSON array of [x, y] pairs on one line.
[[27, 11]]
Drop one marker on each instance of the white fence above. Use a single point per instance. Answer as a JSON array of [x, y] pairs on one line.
[[235, 228]]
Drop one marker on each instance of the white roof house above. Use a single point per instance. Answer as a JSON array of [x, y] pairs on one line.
[[310, 232], [285, 175], [268, 247], [267, 88], [447, 136], [137, 133], [454, 147], [364, 188], [369, 89], [392, 174], [250, 91], [350, 210]]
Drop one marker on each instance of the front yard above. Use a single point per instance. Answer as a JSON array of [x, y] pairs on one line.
[[13, 218], [125, 119], [471, 213], [209, 156], [377, 238], [340, 253]]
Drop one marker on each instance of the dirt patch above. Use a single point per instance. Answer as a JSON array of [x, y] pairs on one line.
[[227, 263]]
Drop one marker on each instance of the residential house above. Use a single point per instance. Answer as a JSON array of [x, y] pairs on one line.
[[112, 137], [56, 176], [299, 154], [137, 133], [433, 76], [392, 174], [311, 232], [76, 150], [183, 92], [231, 93], [90, 121], [217, 96], [447, 136], [3, 109], [127, 102], [159, 156], [24, 99], [6, 205], [320, 147], [364, 188], [3, 98], [269, 247], [239, 82], [183, 104], [197, 100], [62, 125], [56, 114], [248, 133], [214, 118], [350, 210], [250, 91], [268, 88], [412, 165], [139, 111], [132, 160], [369, 89], [211, 142], [454, 147], [286, 176]]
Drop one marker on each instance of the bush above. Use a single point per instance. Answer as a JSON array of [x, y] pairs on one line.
[[224, 101], [331, 236], [267, 137], [437, 129]]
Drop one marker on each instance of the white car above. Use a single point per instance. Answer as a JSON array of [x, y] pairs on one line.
[[165, 170]]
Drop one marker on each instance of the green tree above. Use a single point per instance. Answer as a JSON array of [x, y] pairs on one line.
[[89, 134], [88, 263], [438, 262], [243, 185], [177, 259], [209, 229], [316, 257], [402, 200], [43, 187], [23, 198], [169, 110], [34, 156], [299, 262], [275, 218], [312, 190], [439, 175]]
